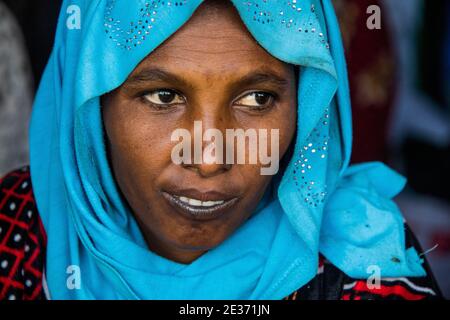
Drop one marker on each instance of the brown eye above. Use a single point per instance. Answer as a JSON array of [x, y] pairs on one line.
[[256, 100], [164, 97]]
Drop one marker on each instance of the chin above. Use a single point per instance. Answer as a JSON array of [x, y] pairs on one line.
[[206, 242]]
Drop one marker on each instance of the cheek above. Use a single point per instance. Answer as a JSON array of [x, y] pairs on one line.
[[287, 123], [139, 146], [287, 135], [284, 120]]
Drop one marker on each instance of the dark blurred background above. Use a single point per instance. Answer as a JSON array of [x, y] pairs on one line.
[[400, 87]]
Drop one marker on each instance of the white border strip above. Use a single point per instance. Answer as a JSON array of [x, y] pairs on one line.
[[412, 285], [45, 286]]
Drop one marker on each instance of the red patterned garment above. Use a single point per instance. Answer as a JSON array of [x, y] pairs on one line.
[[23, 242], [22, 239]]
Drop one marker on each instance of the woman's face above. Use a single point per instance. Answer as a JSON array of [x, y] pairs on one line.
[[213, 71]]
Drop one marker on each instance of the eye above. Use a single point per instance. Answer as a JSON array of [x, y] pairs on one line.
[[163, 97], [257, 100]]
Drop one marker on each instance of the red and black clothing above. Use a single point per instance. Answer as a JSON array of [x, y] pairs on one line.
[[22, 239]]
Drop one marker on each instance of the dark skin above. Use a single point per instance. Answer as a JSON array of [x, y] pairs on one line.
[[211, 70]]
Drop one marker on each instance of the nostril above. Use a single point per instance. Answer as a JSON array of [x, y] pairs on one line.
[[208, 170], [211, 170]]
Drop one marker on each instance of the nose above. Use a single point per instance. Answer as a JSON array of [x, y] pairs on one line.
[[208, 170], [208, 145]]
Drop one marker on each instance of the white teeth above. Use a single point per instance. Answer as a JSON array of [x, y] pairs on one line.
[[198, 203], [194, 202]]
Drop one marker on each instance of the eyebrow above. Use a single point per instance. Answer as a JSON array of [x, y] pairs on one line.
[[156, 74], [261, 76]]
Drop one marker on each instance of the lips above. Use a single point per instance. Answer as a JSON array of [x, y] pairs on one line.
[[198, 205]]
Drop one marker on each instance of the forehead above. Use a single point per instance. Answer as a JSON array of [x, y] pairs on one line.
[[213, 42]]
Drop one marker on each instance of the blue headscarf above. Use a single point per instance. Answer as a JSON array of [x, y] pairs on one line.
[[320, 205]]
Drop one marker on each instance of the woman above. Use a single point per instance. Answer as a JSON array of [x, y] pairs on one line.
[[122, 220]]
